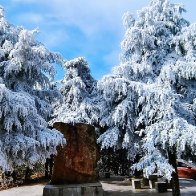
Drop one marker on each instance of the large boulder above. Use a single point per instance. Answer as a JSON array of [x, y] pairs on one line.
[[76, 162]]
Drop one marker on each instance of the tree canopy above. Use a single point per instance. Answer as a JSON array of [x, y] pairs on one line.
[[26, 93], [78, 95], [151, 95]]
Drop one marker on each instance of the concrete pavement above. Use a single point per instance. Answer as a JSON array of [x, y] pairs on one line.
[[188, 187], [112, 187]]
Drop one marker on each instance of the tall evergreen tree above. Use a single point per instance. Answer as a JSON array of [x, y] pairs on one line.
[[152, 93], [26, 69], [78, 91]]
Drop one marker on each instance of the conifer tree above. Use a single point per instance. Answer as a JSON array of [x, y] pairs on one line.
[[78, 91], [151, 95], [26, 70]]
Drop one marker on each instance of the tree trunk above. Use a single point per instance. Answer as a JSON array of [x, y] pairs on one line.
[[51, 165], [14, 176], [175, 180], [27, 174], [47, 168]]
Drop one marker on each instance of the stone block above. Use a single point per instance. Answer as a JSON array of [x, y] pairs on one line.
[[152, 183], [152, 180], [169, 184], [145, 182], [136, 183], [161, 187]]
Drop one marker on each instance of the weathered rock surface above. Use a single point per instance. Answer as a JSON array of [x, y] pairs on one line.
[[76, 162]]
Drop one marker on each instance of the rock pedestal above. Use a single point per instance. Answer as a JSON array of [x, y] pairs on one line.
[[76, 162], [74, 166]]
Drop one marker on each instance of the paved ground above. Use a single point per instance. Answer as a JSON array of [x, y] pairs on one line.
[[188, 187], [113, 187], [120, 188], [33, 190]]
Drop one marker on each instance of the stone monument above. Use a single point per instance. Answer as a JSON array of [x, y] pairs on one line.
[[74, 171]]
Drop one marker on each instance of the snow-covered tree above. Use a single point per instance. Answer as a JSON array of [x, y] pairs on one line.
[[117, 113], [79, 92], [152, 93], [26, 69]]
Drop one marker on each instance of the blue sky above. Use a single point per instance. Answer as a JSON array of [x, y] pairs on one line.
[[89, 28]]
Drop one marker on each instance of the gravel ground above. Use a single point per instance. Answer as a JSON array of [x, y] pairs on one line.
[[112, 187]]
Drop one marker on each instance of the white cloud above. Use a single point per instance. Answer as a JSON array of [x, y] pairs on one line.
[[33, 18], [48, 33], [53, 38], [89, 16]]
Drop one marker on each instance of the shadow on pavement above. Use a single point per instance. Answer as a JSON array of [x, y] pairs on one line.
[[129, 193]]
